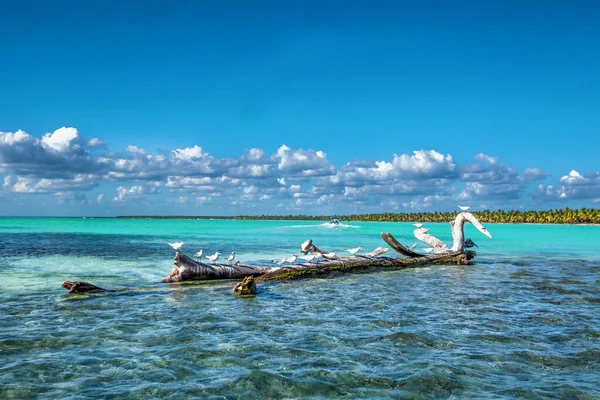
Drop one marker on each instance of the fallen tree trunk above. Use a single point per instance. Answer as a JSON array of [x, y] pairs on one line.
[[188, 269]]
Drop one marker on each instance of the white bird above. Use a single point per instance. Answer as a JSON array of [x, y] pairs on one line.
[[377, 252], [199, 254], [464, 208], [329, 255], [177, 245], [428, 250], [214, 257], [353, 251], [291, 259], [231, 257], [317, 254], [281, 261], [418, 225], [308, 257], [412, 246]]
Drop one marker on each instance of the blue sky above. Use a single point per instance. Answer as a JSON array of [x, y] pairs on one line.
[[297, 107]]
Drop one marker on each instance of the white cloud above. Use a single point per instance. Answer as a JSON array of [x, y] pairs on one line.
[[534, 174], [305, 163], [136, 192], [189, 153], [573, 186], [44, 185], [95, 142], [135, 150], [56, 155], [61, 162], [61, 140]]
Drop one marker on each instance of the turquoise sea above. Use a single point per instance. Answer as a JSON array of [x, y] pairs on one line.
[[522, 322]]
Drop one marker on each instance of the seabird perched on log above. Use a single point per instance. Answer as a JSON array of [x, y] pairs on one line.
[[281, 261], [214, 257], [231, 257], [377, 252], [308, 258], [177, 245], [199, 255], [291, 259], [464, 208], [353, 251]]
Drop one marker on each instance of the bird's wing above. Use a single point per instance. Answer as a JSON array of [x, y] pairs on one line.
[[433, 242]]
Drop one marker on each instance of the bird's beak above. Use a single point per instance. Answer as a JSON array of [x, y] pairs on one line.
[[485, 232]]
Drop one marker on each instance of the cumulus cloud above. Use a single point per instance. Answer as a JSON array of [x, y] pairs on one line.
[[534, 174], [135, 192], [495, 180], [573, 186], [293, 179], [95, 142], [44, 185], [304, 163], [56, 155], [425, 171]]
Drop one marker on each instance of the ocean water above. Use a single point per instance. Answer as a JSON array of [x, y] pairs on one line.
[[522, 322]]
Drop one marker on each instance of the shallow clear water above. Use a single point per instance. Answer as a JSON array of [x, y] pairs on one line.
[[522, 322]]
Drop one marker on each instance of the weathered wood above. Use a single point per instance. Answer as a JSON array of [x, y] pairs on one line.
[[396, 245], [81, 287], [188, 269], [362, 263]]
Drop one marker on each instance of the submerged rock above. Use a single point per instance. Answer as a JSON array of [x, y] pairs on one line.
[[246, 287]]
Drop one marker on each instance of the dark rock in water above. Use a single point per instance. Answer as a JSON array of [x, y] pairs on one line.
[[81, 287], [247, 287]]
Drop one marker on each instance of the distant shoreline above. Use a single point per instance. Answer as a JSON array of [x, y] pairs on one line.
[[586, 216], [582, 216]]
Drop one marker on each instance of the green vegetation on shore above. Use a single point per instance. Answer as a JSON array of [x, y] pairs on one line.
[[558, 216]]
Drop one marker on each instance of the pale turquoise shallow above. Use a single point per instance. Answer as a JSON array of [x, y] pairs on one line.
[[520, 323]]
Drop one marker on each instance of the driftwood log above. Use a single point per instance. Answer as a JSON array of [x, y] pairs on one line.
[[81, 287], [189, 269]]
